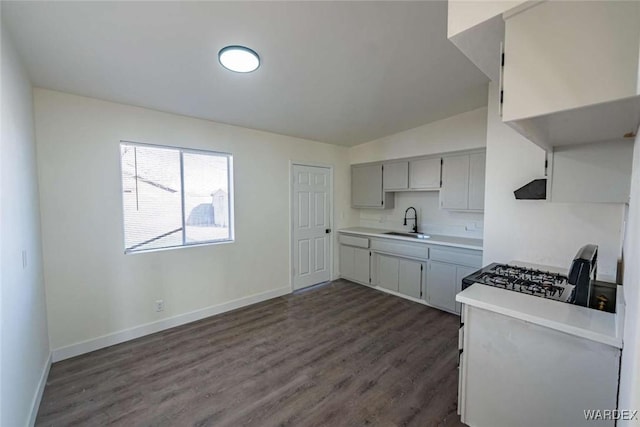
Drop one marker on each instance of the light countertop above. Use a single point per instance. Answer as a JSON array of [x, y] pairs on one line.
[[458, 242], [580, 321]]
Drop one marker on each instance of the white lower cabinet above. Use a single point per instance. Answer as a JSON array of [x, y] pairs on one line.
[[387, 272], [444, 281], [441, 285], [433, 274], [518, 373], [410, 278], [347, 265], [354, 263], [361, 261], [399, 275]]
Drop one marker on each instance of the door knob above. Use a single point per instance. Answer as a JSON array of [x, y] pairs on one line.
[[328, 230]]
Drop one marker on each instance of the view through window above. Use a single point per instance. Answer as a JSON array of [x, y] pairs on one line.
[[174, 197]]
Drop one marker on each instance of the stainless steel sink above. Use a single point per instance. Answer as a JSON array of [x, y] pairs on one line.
[[413, 235]]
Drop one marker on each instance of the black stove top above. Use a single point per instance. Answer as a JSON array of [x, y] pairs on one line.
[[542, 284]]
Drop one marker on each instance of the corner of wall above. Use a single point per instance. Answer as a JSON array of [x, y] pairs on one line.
[[26, 355], [629, 393]]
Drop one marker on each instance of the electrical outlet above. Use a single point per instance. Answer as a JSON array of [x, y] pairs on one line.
[[160, 305]]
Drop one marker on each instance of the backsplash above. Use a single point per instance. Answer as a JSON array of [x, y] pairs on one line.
[[431, 219]]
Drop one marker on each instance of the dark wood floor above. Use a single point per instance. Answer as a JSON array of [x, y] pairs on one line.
[[337, 355]]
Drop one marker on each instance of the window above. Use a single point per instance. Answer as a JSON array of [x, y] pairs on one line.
[[174, 197]]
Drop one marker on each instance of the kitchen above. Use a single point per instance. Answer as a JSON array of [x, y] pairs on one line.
[[509, 168], [458, 172]]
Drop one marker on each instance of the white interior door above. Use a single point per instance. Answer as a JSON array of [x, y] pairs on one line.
[[311, 225]]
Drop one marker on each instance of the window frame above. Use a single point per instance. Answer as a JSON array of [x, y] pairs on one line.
[[181, 151]]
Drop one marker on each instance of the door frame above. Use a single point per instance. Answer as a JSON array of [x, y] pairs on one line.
[[330, 167]]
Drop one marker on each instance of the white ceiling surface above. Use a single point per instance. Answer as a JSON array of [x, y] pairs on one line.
[[337, 72]]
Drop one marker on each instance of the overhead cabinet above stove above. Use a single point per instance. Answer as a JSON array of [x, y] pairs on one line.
[[569, 73], [591, 173]]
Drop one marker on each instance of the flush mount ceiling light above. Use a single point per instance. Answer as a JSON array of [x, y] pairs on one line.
[[239, 59]]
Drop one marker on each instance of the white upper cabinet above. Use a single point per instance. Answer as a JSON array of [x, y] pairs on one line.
[[477, 167], [455, 182], [463, 182], [570, 73], [414, 174], [366, 187], [592, 173], [395, 176], [424, 174], [571, 68], [563, 55], [459, 177]]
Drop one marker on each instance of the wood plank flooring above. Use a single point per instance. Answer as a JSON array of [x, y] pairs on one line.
[[337, 355]]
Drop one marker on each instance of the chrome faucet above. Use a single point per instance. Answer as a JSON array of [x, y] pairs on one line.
[[415, 218]]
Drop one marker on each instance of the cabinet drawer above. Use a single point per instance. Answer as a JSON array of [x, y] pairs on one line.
[[415, 251], [469, 258], [360, 242]]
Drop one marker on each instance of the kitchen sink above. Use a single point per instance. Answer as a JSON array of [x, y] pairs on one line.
[[414, 235]]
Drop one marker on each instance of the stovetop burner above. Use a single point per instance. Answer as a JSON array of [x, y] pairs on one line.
[[542, 284]]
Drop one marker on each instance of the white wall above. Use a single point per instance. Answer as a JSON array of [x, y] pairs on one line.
[[25, 342], [534, 230], [460, 132], [630, 370], [93, 289]]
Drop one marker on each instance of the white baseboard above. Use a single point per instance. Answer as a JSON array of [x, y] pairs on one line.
[[37, 397], [160, 325]]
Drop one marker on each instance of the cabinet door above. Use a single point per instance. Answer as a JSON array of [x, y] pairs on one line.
[[347, 266], [441, 285], [366, 186], [477, 166], [395, 176], [361, 265], [424, 173], [387, 272], [410, 278], [461, 273], [592, 173], [455, 182], [563, 55]]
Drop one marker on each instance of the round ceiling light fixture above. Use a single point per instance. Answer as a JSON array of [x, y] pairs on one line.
[[239, 59]]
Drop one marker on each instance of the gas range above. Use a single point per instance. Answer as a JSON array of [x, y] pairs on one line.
[[528, 281]]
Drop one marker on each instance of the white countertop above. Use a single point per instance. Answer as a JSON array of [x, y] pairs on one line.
[[583, 322], [458, 242]]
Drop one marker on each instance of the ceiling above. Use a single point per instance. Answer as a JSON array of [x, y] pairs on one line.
[[337, 72]]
